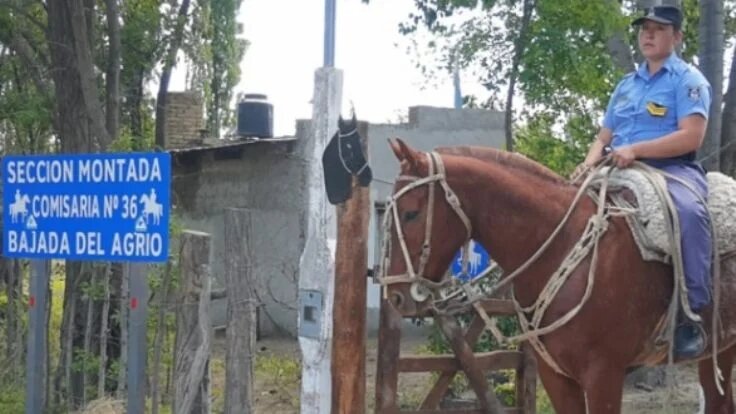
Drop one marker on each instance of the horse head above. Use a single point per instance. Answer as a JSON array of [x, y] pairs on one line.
[[344, 158], [423, 229]]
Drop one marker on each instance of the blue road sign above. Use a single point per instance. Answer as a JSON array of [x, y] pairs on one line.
[[110, 207], [478, 261]]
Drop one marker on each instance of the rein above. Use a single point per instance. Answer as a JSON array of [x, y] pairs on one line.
[[458, 301]]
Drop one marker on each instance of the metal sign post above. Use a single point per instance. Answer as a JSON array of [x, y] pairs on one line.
[[37, 303], [137, 344]]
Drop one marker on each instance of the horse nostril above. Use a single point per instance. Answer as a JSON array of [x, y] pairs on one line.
[[397, 299]]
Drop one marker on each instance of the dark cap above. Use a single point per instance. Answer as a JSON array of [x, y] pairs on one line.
[[661, 14]]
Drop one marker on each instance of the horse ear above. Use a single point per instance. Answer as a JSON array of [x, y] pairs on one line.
[[340, 122], [405, 154], [355, 118]]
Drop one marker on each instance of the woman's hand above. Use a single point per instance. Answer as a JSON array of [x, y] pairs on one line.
[[624, 157]]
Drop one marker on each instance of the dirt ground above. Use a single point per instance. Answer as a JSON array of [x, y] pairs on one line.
[[277, 385]]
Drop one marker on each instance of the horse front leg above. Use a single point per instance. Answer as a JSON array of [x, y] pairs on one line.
[[604, 389], [564, 393], [715, 403]]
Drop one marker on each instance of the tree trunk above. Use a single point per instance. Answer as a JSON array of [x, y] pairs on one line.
[[13, 348], [710, 42], [618, 46], [102, 371], [87, 348], [728, 132], [163, 87], [78, 106], [136, 115], [62, 380], [159, 339], [112, 84], [519, 47], [123, 320]]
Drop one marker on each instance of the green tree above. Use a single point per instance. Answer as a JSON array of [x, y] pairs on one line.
[[227, 52], [575, 51]]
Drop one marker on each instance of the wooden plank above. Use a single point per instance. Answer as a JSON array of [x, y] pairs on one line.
[[488, 361], [494, 307], [464, 353], [499, 307], [439, 389], [387, 372], [526, 380], [349, 312]]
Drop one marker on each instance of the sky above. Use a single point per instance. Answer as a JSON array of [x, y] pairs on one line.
[[286, 48], [379, 74]]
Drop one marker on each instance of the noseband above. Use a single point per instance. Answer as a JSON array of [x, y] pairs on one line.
[[417, 277]]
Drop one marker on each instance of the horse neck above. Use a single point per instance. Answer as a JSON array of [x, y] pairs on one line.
[[513, 212]]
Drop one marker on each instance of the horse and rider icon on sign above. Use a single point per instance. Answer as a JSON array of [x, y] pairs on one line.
[[151, 207], [19, 206]]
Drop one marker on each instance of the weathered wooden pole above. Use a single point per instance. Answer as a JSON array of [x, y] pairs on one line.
[[241, 312], [526, 380], [193, 331], [349, 315], [316, 264], [389, 350]]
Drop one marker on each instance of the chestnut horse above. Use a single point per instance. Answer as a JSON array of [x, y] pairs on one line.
[[511, 205]]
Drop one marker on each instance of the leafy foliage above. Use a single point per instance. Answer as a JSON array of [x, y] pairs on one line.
[[566, 70]]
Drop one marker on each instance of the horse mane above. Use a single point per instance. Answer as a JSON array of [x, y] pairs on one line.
[[505, 158]]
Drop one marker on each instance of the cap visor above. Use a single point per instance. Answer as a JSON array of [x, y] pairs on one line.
[[641, 20]]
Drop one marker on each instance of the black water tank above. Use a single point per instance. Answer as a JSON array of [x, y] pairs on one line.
[[255, 116]]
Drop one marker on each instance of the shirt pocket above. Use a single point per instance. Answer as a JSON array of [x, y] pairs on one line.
[[624, 110], [662, 111]]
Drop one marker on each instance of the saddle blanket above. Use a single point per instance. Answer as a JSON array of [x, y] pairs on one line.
[[648, 223]]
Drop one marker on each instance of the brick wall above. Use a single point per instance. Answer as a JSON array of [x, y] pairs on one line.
[[184, 119]]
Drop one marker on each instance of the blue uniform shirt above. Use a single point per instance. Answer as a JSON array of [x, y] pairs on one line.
[[645, 107]]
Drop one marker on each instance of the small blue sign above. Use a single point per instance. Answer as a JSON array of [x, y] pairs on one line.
[[107, 207], [478, 261]]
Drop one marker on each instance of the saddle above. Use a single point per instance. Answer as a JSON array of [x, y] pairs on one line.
[[631, 189]]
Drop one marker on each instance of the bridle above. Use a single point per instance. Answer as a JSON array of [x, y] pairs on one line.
[[415, 276], [340, 136]]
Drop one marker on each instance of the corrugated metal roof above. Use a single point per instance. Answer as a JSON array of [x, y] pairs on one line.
[[230, 143]]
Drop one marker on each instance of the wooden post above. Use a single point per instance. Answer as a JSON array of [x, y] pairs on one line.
[[193, 331], [526, 380], [316, 264], [387, 372], [349, 314], [241, 319], [464, 354]]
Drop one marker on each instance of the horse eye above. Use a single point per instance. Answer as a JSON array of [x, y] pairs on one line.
[[411, 215]]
